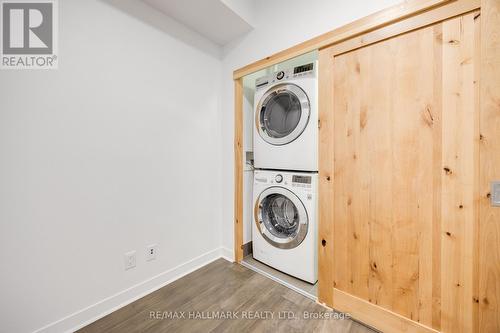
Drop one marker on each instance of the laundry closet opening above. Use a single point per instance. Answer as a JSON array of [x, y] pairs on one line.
[[407, 166], [280, 166]]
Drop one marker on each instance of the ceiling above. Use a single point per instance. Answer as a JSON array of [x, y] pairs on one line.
[[221, 21]]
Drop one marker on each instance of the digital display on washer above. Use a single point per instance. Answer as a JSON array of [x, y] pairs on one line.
[[303, 68], [301, 179]]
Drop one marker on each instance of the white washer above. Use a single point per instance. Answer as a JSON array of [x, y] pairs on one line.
[[284, 232], [286, 120]]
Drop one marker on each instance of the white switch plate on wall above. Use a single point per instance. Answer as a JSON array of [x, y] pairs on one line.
[[151, 252], [130, 260], [495, 194]]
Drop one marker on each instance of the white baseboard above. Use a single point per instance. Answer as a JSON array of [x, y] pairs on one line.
[[227, 254], [110, 304]]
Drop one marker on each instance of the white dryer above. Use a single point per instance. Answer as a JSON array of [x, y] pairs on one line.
[[284, 234], [286, 120]]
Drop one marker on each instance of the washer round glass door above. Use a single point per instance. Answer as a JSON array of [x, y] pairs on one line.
[[282, 114], [281, 217]]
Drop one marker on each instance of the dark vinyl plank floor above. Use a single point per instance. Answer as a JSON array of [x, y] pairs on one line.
[[224, 297]]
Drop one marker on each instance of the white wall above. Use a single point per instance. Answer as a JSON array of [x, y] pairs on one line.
[[117, 149], [279, 24]]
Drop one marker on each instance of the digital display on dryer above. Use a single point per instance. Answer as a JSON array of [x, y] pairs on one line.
[[301, 179], [303, 68]]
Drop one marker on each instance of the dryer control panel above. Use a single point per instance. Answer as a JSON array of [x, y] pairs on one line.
[[299, 180], [307, 70]]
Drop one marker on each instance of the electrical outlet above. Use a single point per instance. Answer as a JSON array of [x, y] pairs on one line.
[[130, 260], [151, 252]]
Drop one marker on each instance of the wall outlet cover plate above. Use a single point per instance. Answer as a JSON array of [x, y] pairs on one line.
[[130, 260], [151, 252], [495, 193]]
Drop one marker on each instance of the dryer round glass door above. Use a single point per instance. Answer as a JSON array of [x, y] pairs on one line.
[[282, 114], [281, 218]]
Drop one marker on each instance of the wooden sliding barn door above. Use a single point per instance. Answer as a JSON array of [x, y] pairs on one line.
[[400, 175]]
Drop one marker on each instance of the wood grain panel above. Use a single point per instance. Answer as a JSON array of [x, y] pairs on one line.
[[477, 169], [405, 173], [387, 111], [326, 160], [437, 175], [412, 126], [489, 252], [375, 128], [341, 199], [238, 170], [459, 163], [351, 236]]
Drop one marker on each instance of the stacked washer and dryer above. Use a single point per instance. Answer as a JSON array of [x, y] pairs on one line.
[[285, 191]]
